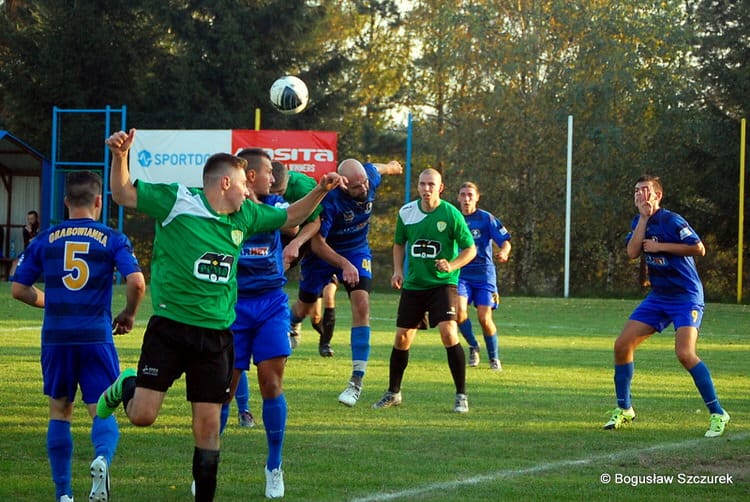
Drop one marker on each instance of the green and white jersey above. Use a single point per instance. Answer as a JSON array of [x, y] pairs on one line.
[[427, 237], [194, 260], [300, 185]]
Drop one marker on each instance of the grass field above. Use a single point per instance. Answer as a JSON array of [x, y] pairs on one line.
[[533, 431]]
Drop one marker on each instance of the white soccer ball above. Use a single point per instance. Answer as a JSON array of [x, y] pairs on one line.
[[289, 95]]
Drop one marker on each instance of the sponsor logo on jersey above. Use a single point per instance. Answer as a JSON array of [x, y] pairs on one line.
[[685, 232], [256, 251], [424, 248], [656, 261], [213, 267]]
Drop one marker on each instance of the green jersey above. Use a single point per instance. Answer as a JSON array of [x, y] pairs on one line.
[[195, 252], [427, 237], [300, 185]]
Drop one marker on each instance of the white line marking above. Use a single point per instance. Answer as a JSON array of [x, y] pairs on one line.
[[512, 473]]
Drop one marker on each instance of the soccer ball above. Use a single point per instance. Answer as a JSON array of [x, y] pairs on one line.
[[289, 95]]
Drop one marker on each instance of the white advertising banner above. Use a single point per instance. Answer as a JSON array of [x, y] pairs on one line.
[[169, 156]]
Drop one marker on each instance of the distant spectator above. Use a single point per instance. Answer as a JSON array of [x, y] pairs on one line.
[[31, 228]]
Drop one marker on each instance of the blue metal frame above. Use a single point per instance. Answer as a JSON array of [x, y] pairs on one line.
[[56, 183]]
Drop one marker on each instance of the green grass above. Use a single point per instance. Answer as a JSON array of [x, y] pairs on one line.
[[533, 432]]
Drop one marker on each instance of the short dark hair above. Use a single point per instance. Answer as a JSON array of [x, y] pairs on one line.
[[82, 188], [218, 164], [280, 173], [254, 157], [654, 180]]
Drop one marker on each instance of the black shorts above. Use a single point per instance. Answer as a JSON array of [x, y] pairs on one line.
[[416, 307], [171, 348], [365, 283]]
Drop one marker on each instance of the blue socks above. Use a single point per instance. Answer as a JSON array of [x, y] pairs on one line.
[[104, 436], [699, 372], [468, 332], [223, 418], [274, 420], [360, 341], [623, 377], [705, 384], [242, 394], [491, 343], [60, 453], [241, 397]]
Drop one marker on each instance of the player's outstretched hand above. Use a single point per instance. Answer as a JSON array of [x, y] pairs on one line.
[[120, 142], [329, 181], [394, 167]]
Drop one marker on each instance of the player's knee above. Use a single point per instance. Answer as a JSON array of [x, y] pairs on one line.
[[141, 419], [488, 327], [687, 357], [623, 347]]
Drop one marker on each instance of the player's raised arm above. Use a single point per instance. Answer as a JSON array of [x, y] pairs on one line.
[[123, 191], [298, 212], [392, 167]]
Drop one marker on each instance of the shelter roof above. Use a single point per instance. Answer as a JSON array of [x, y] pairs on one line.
[[17, 158]]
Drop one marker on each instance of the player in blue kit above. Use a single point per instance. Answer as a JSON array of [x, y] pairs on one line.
[[262, 324], [77, 259], [341, 248], [477, 283], [669, 244]]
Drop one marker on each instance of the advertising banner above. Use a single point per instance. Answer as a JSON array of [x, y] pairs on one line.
[[171, 155], [309, 152]]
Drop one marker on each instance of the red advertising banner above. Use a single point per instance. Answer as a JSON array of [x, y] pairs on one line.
[[310, 152]]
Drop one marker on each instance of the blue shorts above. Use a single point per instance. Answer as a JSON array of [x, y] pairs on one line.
[[261, 330], [316, 273], [91, 366], [481, 294], [659, 313]]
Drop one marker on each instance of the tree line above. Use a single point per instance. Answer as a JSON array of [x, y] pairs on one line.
[[654, 87]]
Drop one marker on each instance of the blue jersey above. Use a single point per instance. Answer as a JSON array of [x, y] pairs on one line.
[[76, 259], [345, 222], [672, 276], [485, 228], [261, 264]]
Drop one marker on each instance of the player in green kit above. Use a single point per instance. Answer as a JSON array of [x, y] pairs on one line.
[[199, 235], [433, 237]]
